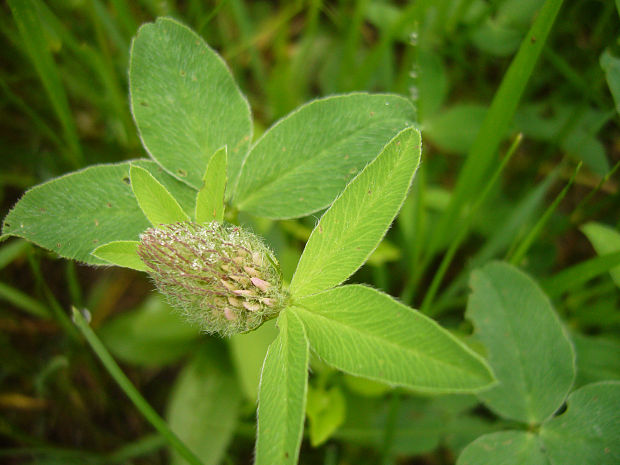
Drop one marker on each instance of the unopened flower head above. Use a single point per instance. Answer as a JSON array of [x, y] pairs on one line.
[[223, 278]]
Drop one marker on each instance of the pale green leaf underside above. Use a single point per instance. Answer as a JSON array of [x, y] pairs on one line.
[[605, 240], [282, 394], [76, 213], [527, 347], [210, 198], [157, 204], [204, 405], [121, 253], [504, 448], [364, 332], [356, 222], [185, 101], [589, 430], [302, 162]]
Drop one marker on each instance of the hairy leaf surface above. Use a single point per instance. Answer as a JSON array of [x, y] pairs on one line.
[[354, 225], [364, 332], [302, 162]]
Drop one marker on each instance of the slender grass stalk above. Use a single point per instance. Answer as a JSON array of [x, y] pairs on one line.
[[11, 251], [516, 257], [125, 384], [574, 216], [580, 273], [25, 13], [464, 230], [497, 121], [23, 301]]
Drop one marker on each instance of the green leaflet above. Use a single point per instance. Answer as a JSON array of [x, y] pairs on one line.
[[210, 198], [282, 394], [605, 240], [204, 405], [185, 102], [121, 253], [326, 410], [505, 448], [526, 344], [158, 205], [74, 214], [364, 332], [589, 430], [150, 335], [356, 222], [302, 162]]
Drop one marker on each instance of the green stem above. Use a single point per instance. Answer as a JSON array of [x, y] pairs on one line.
[[520, 252], [454, 246], [125, 384]]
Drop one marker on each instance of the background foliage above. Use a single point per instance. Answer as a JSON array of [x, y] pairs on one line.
[[65, 106]]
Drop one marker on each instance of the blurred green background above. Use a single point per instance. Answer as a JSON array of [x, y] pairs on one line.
[[64, 106]]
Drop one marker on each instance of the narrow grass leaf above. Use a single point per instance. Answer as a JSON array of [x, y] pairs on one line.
[[185, 102], [302, 162], [498, 119], [282, 394], [354, 225], [589, 430], [210, 198], [364, 332], [130, 390], [157, 204], [505, 448], [204, 404], [31, 32], [74, 214], [605, 240], [527, 347], [24, 301], [572, 277], [121, 253]]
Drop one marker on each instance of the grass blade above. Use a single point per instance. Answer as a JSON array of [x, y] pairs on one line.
[[125, 384], [516, 257], [497, 121], [25, 13]]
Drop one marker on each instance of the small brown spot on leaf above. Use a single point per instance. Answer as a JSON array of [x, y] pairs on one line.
[[126, 180], [95, 241], [346, 157], [194, 78], [182, 73], [284, 149], [108, 204], [42, 210], [369, 191], [372, 113], [533, 39], [58, 245], [96, 222], [144, 104], [181, 172]]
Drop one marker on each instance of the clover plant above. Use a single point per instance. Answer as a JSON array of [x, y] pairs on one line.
[[175, 216], [356, 154]]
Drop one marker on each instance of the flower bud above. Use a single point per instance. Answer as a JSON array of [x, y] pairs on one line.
[[222, 278]]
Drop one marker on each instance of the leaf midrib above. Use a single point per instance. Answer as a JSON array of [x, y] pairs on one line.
[[290, 170], [387, 342]]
